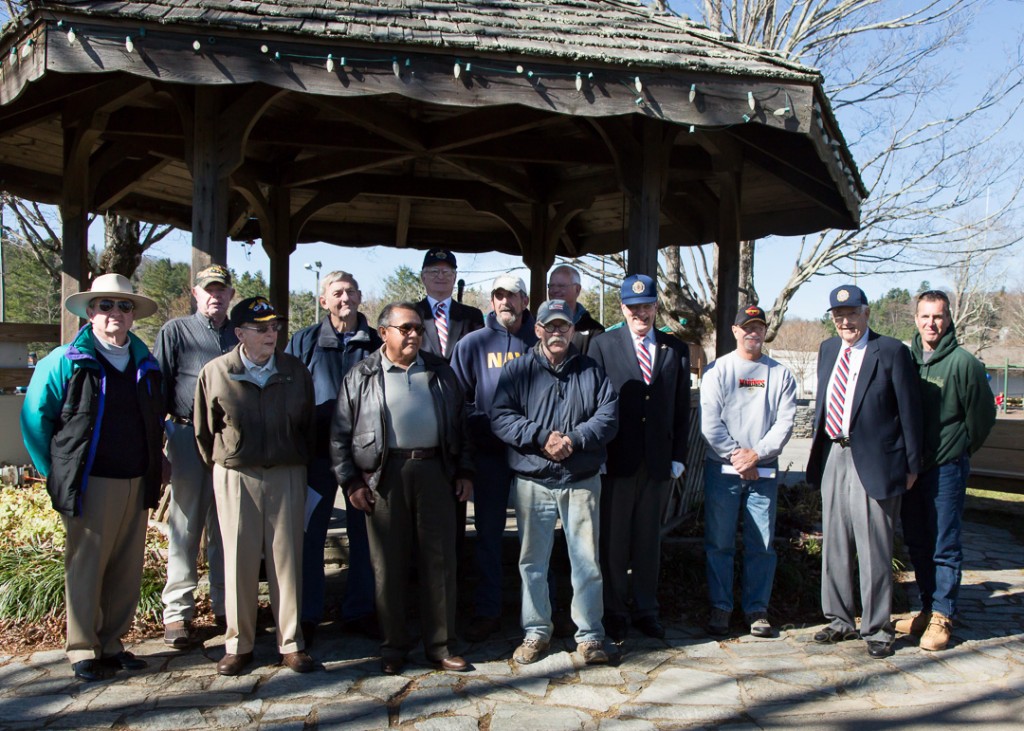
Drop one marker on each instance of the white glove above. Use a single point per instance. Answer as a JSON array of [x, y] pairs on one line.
[[678, 468]]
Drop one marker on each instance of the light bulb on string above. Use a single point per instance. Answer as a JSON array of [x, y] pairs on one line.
[[457, 70], [128, 44], [693, 92], [330, 63], [579, 81], [197, 46], [751, 102], [638, 85], [264, 49], [519, 69], [395, 68], [72, 36]]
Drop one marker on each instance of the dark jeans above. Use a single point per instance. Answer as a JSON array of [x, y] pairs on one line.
[[491, 487], [359, 595], [932, 515]]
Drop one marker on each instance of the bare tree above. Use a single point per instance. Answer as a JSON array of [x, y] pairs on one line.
[[928, 156], [796, 347]]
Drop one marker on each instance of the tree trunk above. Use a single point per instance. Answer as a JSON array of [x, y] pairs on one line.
[[748, 295], [122, 252]]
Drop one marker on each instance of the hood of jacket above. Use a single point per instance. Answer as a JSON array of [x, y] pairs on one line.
[[947, 344]]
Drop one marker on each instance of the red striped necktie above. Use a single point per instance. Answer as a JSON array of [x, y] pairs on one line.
[[441, 322], [644, 358], [837, 399]]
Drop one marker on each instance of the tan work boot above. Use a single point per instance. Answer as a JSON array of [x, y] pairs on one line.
[[915, 625], [936, 637]]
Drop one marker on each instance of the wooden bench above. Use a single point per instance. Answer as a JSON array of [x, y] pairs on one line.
[[999, 464]]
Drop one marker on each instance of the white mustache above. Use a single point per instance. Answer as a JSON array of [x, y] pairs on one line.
[[557, 339]]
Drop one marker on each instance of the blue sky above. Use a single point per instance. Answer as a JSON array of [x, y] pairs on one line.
[[992, 39]]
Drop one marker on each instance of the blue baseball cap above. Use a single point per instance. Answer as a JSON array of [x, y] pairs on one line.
[[638, 289], [439, 256], [847, 295], [552, 310]]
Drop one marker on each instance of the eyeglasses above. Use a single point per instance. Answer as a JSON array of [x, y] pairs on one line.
[[408, 329], [124, 306], [439, 272], [561, 326], [276, 326]]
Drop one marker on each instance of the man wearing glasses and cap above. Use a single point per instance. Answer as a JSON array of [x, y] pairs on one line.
[[557, 411], [865, 454], [91, 423], [445, 321], [401, 451], [183, 346], [255, 428], [748, 406]]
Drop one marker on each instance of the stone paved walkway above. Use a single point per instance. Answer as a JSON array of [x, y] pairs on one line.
[[686, 681]]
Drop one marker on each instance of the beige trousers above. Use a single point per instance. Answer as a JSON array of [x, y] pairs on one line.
[[103, 556], [261, 512]]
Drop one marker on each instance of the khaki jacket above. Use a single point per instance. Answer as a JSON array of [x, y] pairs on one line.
[[238, 424]]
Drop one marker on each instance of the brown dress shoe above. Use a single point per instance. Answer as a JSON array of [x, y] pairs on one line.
[[453, 663], [178, 634], [233, 664], [299, 661], [392, 665]]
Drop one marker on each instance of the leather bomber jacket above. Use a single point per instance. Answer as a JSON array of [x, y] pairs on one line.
[[359, 433]]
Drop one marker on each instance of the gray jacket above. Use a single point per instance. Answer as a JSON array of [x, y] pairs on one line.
[[359, 433]]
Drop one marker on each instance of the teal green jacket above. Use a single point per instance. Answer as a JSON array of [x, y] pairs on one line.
[[63, 411], [959, 408]]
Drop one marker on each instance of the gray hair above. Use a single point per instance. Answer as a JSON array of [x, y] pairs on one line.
[[384, 318], [336, 276], [572, 273]]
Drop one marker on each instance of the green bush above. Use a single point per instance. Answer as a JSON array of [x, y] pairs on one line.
[[31, 581], [26, 515]]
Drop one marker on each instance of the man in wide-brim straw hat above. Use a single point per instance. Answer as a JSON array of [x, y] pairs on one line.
[[92, 424]]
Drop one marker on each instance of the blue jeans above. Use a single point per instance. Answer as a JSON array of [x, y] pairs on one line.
[[725, 496], [359, 592], [932, 514], [538, 508], [491, 488]]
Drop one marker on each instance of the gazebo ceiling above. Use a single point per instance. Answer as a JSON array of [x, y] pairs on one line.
[[421, 123]]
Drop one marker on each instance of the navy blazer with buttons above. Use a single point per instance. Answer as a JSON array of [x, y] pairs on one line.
[[654, 419], [462, 320], [886, 426]]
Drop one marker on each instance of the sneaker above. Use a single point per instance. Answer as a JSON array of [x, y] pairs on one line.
[[592, 652], [718, 624], [915, 625], [530, 651], [760, 626], [936, 637], [178, 634]]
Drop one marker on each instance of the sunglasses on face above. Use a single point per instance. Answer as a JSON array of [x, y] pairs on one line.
[[408, 328], [557, 327], [124, 306], [263, 329]]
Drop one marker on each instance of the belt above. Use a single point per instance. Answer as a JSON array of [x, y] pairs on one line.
[[423, 453], [843, 442], [181, 420]]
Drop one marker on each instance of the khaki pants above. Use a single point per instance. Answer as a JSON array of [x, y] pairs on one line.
[[261, 511], [103, 556]]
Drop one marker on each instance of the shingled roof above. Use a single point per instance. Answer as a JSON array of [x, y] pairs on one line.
[[620, 32]]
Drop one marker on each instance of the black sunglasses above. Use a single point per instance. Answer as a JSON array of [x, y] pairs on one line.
[[276, 326], [408, 328], [124, 306]]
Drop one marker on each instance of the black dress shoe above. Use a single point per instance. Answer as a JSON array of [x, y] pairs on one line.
[[123, 660], [830, 634], [91, 670], [651, 627], [392, 665], [233, 664], [878, 649], [616, 628]]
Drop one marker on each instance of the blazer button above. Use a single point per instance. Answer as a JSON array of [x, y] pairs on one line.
[[643, 419]]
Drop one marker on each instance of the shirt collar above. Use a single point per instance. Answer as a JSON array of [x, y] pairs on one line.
[[433, 303], [268, 367]]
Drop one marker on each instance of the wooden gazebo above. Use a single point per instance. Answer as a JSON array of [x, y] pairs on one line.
[[532, 128]]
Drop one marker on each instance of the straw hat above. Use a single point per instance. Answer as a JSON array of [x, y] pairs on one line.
[[110, 286]]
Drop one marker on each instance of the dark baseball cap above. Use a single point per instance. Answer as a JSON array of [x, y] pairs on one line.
[[847, 295], [439, 256], [253, 309], [552, 310], [214, 274], [751, 314], [638, 289]]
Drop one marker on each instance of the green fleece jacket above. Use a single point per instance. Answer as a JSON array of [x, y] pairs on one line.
[[959, 409]]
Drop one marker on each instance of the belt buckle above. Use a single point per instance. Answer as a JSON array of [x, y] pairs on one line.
[[417, 454], [843, 442]]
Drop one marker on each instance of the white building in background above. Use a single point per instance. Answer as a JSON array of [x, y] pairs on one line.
[[804, 367]]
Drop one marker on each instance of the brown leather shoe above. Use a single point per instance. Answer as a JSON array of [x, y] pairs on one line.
[[233, 664], [299, 661], [936, 637], [454, 663], [392, 665], [178, 634], [915, 625]]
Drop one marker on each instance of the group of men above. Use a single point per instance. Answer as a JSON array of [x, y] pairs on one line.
[[436, 405]]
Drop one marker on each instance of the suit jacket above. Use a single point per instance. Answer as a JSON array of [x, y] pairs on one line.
[[654, 419], [462, 319], [886, 426]]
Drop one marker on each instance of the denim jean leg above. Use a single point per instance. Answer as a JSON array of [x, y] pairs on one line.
[[580, 507], [321, 479], [758, 543], [536, 515], [721, 513], [949, 554], [919, 520], [490, 509]]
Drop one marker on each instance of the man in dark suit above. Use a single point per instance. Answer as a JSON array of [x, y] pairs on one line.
[[865, 455], [446, 321], [650, 371]]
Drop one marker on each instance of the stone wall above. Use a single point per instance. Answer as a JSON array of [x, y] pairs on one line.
[[804, 425]]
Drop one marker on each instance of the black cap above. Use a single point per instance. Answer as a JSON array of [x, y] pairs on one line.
[[253, 309], [847, 295], [751, 314], [439, 256]]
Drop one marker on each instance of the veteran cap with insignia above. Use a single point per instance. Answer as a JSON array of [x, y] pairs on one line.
[[253, 309], [215, 274], [638, 289], [751, 314], [439, 256], [847, 295], [553, 310]]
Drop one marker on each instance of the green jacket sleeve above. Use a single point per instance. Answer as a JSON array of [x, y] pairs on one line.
[[41, 410], [979, 405]]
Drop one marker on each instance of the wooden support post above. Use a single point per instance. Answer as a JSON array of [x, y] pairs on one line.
[[279, 244], [74, 210], [209, 183], [728, 251], [644, 185], [540, 254]]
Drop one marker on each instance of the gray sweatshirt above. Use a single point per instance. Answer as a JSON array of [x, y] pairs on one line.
[[747, 405]]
